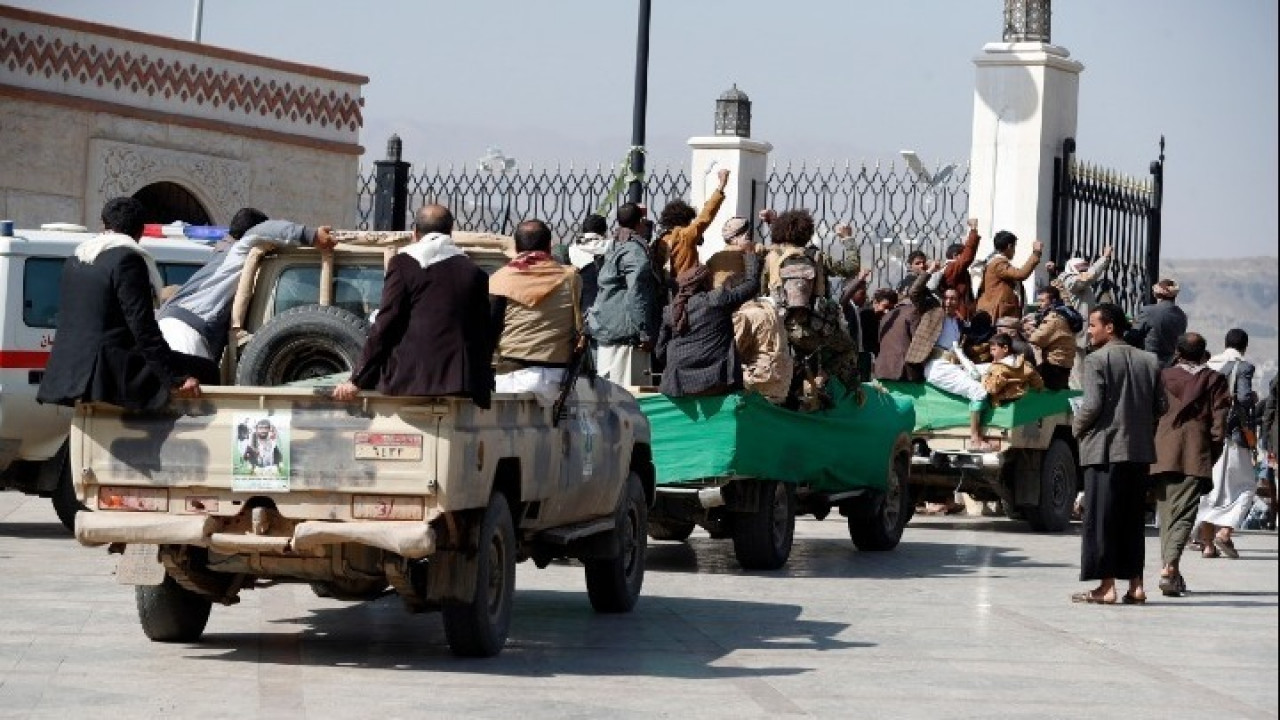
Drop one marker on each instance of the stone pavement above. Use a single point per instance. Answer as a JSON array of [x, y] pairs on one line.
[[968, 618]]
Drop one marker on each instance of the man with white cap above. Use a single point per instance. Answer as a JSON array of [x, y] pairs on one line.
[[758, 334], [1079, 285]]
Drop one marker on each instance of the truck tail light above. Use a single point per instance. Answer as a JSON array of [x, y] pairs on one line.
[[134, 499], [386, 507]]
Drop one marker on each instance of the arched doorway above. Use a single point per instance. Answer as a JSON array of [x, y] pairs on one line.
[[168, 202]]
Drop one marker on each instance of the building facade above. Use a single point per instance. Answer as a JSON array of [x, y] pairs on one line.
[[89, 112]]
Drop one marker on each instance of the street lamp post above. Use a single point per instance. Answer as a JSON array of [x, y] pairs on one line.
[[635, 192]]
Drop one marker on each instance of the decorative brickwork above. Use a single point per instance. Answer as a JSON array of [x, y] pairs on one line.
[[198, 83]]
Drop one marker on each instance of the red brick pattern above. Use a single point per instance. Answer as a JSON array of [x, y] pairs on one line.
[[189, 82]]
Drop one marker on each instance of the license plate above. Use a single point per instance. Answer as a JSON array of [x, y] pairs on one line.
[[388, 446], [140, 565]]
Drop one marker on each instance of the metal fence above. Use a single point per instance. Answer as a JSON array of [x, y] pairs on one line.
[[892, 209], [1095, 207], [488, 201]]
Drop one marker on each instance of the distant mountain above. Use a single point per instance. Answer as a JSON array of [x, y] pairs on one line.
[[1222, 294]]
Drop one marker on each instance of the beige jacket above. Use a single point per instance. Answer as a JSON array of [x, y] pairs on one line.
[[1054, 337], [767, 366], [542, 314], [1010, 379]]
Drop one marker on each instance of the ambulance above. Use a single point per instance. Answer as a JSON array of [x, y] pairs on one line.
[[33, 437]]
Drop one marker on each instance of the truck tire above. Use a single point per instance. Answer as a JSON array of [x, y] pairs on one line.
[[1058, 483], [65, 502], [670, 530], [302, 343], [171, 613], [876, 524], [762, 539], [613, 584], [478, 628]]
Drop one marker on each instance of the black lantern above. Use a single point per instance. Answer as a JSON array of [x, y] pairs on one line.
[[1027, 20], [733, 113]]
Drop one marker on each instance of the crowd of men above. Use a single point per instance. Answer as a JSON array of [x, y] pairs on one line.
[[1158, 411]]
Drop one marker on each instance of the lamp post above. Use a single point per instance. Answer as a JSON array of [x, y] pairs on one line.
[[635, 192], [497, 163]]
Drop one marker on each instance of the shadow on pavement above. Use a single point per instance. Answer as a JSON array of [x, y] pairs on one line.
[[837, 558], [43, 530], [552, 634]]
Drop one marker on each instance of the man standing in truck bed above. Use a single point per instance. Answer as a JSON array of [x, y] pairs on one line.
[[432, 335]]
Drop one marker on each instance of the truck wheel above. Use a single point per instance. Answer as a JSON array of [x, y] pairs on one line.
[[478, 628], [762, 540], [171, 613], [670, 530], [613, 584], [65, 502], [303, 343], [1058, 485], [877, 523]]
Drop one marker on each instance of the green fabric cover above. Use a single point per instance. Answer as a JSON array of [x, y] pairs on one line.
[[743, 434], [936, 409]]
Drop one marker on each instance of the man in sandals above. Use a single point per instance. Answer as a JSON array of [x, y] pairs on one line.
[[1115, 427]]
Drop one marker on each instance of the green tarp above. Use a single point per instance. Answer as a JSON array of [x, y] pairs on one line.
[[846, 447], [936, 409]]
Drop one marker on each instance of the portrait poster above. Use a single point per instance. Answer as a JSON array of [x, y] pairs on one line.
[[260, 452]]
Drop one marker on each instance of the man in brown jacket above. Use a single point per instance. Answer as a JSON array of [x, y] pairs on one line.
[[1001, 294], [677, 249], [955, 274], [1188, 442], [1056, 341]]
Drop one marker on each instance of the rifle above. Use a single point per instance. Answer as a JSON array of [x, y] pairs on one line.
[[571, 373]]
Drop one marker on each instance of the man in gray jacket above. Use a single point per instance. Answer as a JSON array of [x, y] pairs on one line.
[[623, 320], [1115, 427], [1161, 323], [197, 319]]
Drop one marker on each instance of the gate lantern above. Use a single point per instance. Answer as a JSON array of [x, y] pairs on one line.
[[733, 113], [1026, 20]]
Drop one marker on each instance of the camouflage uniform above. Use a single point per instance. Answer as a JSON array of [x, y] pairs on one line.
[[820, 343]]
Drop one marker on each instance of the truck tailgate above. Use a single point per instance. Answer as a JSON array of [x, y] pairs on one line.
[[263, 441]]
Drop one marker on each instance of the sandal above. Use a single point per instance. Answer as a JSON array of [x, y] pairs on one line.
[[1196, 545], [1130, 599], [1209, 551], [1226, 548], [1089, 598], [1173, 585]]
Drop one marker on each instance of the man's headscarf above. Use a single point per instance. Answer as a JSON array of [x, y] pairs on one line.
[[689, 283], [1165, 289]]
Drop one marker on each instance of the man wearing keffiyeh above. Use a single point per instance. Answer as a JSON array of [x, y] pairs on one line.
[[533, 305]]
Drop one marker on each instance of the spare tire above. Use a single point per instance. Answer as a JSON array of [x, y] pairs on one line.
[[302, 343]]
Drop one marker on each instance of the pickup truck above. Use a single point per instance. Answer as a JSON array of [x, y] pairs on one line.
[[743, 468], [430, 497], [1033, 469]]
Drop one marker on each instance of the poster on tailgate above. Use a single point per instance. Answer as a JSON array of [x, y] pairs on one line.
[[260, 461]]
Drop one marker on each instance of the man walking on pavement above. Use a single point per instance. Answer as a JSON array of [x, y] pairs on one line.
[[1189, 440], [1115, 427]]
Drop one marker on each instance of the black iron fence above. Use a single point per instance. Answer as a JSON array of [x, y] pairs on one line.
[[892, 209], [1094, 208]]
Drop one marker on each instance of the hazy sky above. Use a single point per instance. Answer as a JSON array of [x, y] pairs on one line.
[[832, 80]]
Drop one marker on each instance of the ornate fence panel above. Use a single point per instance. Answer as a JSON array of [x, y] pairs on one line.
[[892, 210], [497, 201], [1094, 208]]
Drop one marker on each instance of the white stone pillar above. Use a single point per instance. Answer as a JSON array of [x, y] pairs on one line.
[[746, 160], [1024, 105]]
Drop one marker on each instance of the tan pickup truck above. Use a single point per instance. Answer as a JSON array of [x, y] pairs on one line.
[[432, 498]]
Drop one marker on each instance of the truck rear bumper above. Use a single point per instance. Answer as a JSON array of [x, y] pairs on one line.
[[978, 462], [411, 539]]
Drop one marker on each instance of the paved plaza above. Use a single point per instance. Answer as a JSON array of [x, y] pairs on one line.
[[968, 618]]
